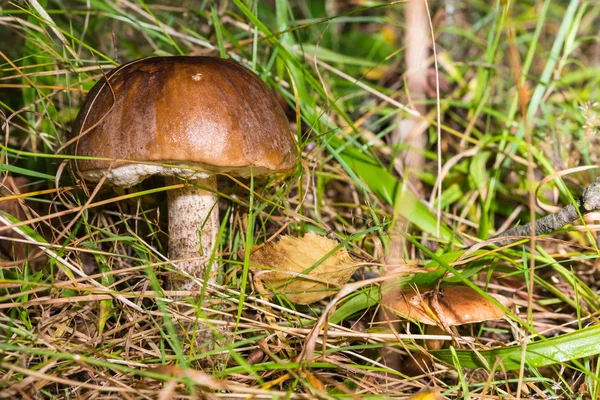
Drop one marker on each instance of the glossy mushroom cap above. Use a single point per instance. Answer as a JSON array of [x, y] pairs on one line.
[[200, 112], [458, 304]]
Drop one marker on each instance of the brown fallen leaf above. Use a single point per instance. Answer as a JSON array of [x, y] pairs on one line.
[[289, 268], [207, 382]]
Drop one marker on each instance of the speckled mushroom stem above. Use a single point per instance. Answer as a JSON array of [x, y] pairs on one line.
[[193, 228]]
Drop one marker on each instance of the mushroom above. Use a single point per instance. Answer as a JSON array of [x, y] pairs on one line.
[[187, 119], [458, 305], [450, 306]]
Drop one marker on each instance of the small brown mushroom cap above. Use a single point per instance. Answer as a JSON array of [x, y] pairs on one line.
[[458, 305], [202, 112]]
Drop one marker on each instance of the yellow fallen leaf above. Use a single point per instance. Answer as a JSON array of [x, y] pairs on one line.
[[427, 394], [315, 382], [390, 34], [375, 73], [288, 267]]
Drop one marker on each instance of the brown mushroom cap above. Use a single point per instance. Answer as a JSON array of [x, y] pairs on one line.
[[200, 112], [458, 304]]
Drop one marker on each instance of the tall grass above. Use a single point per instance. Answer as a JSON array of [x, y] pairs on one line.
[[88, 315]]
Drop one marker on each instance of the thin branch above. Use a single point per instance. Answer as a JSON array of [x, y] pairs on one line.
[[589, 202]]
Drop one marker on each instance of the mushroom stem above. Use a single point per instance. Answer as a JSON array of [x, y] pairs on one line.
[[193, 228]]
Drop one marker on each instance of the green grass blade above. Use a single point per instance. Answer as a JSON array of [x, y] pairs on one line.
[[580, 344]]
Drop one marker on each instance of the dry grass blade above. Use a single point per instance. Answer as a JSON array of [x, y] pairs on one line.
[[67, 264], [206, 381]]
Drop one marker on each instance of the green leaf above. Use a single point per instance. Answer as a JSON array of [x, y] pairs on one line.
[[331, 56], [26, 172], [584, 343], [107, 279], [389, 189], [479, 173], [357, 302], [217, 24], [411, 208], [378, 180]]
